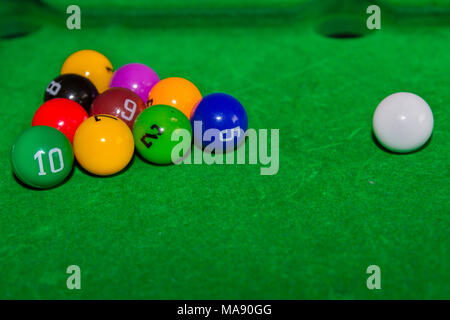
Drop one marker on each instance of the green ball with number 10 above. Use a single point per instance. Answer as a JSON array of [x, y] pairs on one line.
[[42, 157]]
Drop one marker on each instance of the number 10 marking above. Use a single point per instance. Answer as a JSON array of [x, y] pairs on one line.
[[38, 157]]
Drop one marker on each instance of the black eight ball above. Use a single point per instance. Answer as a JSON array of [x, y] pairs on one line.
[[73, 87]]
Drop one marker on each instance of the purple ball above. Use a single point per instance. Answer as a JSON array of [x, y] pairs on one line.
[[137, 77]]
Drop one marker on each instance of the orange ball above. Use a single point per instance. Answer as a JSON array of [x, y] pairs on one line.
[[176, 92]]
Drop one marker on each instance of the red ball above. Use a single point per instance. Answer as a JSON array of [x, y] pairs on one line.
[[119, 102], [62, 114]]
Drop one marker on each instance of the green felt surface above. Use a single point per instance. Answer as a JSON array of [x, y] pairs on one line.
[[172, 4], [210, 4], [338, 204]]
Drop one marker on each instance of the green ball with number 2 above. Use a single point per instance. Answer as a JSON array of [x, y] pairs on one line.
[[42, 157], [156, 132]]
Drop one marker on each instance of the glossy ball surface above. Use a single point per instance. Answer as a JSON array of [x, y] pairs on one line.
[[220, 112], [92, 65], [136, 77], [119, 102], [62, 114], [73, 87], [176, 92], [42, 157], [403, 122], [153, 131], [103, 145]]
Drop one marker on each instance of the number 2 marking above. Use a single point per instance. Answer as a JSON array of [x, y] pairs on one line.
[[38, 157], [151, 135]]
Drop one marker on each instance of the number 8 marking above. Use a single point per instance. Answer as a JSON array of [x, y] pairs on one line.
[[38, 157], [132, 110], [53, 88]]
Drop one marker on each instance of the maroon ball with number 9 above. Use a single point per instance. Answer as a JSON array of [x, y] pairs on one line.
[[119, 102]]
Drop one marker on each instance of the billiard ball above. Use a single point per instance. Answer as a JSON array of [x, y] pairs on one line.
[[92, 65], [176, 92], [73, 87], [153, 131], [137, 77], [119, 102], [42, 157], [103, 145], [403, 122], [225, 116], [62, 114]]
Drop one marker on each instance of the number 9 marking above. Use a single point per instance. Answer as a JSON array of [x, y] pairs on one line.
[[131, 109]]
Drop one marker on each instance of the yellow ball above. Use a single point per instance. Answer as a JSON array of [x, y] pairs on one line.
[[103, 145], [92, 65]]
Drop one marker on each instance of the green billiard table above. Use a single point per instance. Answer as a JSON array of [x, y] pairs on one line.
[[338, 204]]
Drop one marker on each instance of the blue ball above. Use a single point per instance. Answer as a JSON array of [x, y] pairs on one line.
[[227, 118]]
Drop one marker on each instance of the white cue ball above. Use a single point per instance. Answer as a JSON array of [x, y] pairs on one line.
[[403, 122]]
